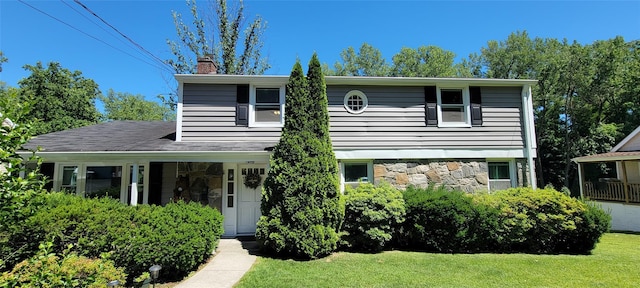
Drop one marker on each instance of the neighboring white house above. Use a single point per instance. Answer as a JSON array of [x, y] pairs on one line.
[[471, 134], [619, 195]]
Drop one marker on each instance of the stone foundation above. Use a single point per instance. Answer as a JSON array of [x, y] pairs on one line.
[[468, 175]]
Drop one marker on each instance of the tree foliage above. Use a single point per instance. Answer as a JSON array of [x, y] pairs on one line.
[[126, 106], [585, 101], [235, 47], [61, 99], [18, 184], [301, 207], [425, 61]]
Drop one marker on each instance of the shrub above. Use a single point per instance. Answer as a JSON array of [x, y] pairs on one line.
[[48, 270], [301, 207], [371, 216], [179, 236], [445, 221], [545, 221]]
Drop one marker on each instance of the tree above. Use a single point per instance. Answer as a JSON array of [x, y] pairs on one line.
[[426, 61], [584, 97], [367, 62], [18, 184], [226, 25], [61, 99], [2, 60], [126, 106], [301, 207]]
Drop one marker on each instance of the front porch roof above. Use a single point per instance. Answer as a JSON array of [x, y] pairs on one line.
[[131, 136], [609, 157]]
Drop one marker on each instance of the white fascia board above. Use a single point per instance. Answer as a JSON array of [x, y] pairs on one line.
[[349, 80], [430, 154], [155, 156], [626, 140]]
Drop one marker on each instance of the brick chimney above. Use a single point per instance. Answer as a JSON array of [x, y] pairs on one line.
[[206, 65]]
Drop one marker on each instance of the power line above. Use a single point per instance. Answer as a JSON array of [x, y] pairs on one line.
[[88, 35], [123, 35]]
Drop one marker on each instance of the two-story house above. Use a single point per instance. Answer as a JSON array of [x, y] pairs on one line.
[[469, 134]]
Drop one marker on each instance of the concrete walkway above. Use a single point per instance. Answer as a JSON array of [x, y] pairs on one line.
[[232, 260]]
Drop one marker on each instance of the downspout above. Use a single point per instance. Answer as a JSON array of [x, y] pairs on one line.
[[529, 133]]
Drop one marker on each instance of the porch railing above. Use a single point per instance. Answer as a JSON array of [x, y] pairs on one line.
[[612, 191]]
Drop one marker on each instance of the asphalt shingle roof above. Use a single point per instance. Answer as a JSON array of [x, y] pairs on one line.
[[131, 136]]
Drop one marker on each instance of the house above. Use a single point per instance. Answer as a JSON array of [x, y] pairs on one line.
[[471, 134], [618, 192]]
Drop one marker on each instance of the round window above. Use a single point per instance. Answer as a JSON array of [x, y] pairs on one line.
[[355, 102]]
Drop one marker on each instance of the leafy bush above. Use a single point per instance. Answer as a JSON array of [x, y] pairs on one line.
[[301, 208], [179, 236], [545, 221], [371, 216], [48, 270], [445, 221]]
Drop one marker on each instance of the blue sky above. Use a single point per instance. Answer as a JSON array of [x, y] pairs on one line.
[[295, 30]]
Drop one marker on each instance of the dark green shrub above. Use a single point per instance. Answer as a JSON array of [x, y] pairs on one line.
[[301, 207], [444, 221], [371, 216], [545, 221], [48, 270], [179, 236]]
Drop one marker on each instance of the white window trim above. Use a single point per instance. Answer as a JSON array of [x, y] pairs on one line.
[[466, 102], [512, 171], [81, 180], [365, 101], [355, 161], [252, 103]]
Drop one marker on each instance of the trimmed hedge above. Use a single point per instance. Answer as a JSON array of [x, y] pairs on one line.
[[545, 221], [514, 220], [179, 236], [440, 220], [372, 215]]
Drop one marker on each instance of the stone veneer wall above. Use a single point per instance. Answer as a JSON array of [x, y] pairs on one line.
[[467, 175]]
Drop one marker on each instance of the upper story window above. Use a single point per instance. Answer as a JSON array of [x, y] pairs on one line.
[[355, 102], [266, 107], [453, 106]]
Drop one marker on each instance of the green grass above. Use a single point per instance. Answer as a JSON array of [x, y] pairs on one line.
[[614, 263]]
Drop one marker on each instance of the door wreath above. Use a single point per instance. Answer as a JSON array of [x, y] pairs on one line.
[[252, 180]]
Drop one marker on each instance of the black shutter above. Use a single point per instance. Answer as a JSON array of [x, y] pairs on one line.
[[431, 105], [476, 106], [242, 105]]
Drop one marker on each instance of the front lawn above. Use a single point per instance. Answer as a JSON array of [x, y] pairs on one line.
[[614, 263]]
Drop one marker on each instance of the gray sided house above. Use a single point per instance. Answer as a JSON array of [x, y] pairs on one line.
[[470, 134]]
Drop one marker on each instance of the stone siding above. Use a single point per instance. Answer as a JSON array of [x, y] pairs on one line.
[[467, 175]]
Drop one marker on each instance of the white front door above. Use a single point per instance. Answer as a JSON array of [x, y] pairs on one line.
[[249, 198]]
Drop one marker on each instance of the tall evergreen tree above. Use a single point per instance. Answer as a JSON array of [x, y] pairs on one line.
[[301, 207]]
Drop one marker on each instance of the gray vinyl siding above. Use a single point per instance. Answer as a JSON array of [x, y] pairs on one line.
[[209, 114], [395, 118]]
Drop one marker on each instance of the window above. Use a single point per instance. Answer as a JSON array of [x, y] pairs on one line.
[[499, 176], [355, 102], [453, 104], [356, 172], [103, 181], [267, 107], [69, 179]]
